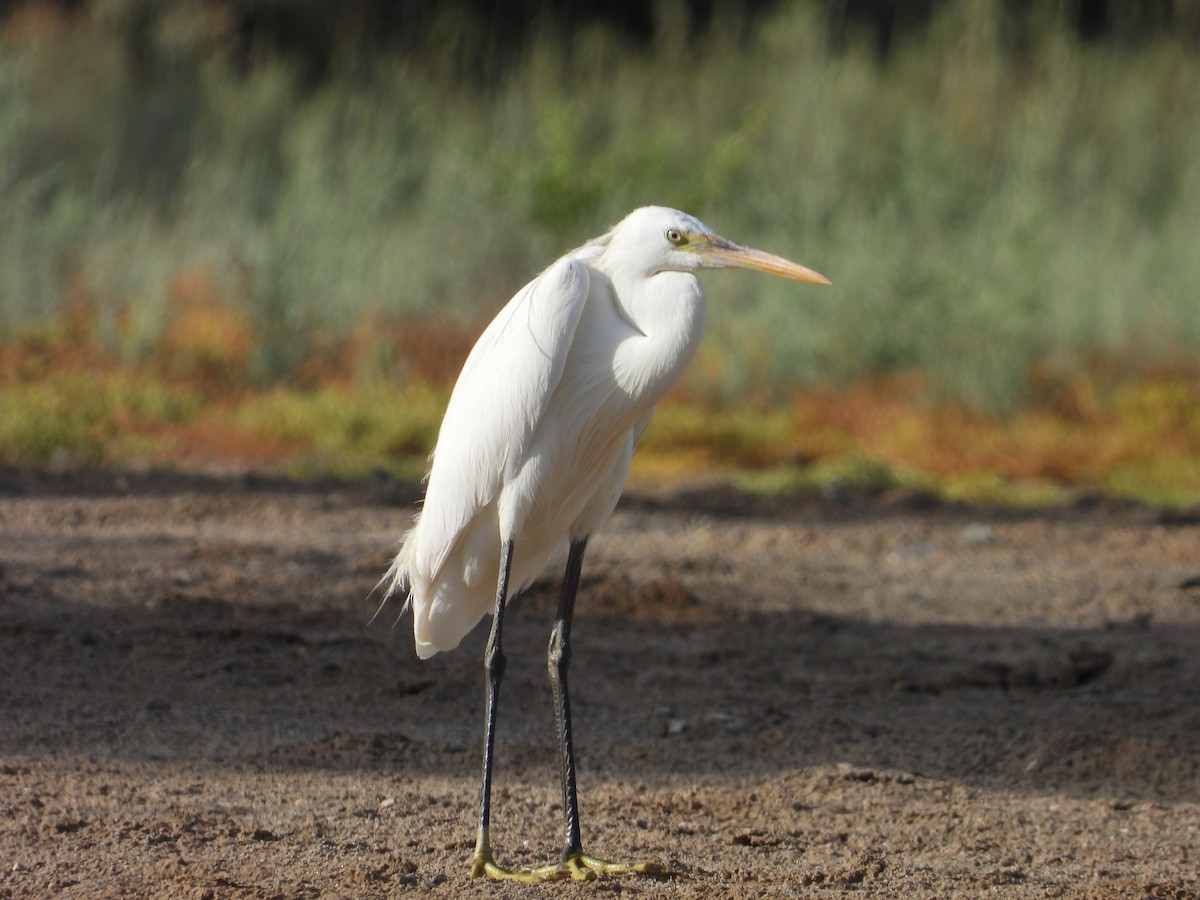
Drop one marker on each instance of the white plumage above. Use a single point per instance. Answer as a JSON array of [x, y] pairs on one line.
[[535, 448], [539, 433]]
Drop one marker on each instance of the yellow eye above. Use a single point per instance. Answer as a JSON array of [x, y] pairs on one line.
[[676, 237]]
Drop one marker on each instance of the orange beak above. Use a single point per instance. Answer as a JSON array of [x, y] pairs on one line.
[[724, 254]]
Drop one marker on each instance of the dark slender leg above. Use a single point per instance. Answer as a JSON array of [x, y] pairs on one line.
[[574, 863], [493, 664], [558, 660]]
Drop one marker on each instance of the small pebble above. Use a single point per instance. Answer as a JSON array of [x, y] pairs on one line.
[[977, 533]]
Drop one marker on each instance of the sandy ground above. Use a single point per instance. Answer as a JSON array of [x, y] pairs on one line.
[[813, 696]]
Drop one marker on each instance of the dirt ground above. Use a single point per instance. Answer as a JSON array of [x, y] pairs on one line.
[[808, 696]]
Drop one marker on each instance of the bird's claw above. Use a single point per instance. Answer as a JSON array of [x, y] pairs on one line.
[[577, 867], [582, 868], [484, 866]]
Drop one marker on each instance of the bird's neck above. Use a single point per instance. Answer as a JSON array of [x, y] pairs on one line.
[[668, 311]]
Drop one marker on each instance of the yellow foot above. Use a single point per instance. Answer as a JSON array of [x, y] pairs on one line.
[[577, 867]]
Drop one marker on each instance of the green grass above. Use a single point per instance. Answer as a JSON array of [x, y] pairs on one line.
[[1141, 442], [78, 417], [348, 433], [855, 471], [982, 207]]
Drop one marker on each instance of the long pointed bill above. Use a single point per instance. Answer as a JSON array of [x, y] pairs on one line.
[[722, 254]]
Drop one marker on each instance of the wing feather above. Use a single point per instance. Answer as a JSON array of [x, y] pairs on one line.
[[501, 394]]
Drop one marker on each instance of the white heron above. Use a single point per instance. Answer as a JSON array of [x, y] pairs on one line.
[[535, 448]]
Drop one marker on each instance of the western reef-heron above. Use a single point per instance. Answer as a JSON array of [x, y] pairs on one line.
[[535, 448]]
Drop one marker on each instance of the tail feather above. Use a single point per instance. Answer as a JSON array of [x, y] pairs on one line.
[[394, 583]]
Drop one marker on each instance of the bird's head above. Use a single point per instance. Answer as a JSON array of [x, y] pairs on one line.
[[658, 239]]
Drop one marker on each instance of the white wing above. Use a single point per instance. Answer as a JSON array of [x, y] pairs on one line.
[[447, 564], [500, 396]]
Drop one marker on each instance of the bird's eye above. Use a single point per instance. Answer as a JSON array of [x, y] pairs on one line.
[[676, 237]]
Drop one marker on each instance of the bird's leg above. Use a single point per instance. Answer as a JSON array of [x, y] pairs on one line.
[[575, 864], [493, 664], [558, 660]]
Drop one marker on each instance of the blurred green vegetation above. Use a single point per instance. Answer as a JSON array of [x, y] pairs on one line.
[[77, 417], [985, 206], [350, 434], [201, 254]]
